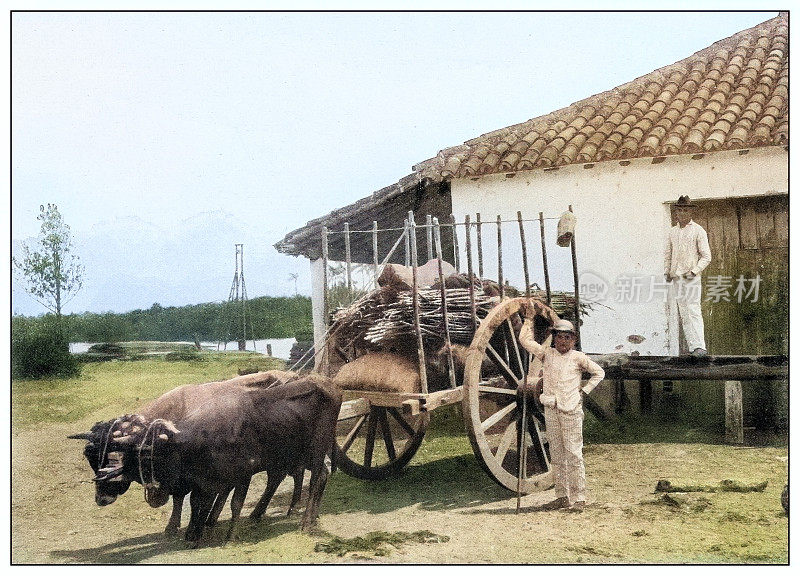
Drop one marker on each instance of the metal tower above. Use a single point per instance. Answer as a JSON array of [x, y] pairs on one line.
[[235, 311]]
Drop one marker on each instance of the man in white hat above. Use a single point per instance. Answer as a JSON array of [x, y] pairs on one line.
[[686, 256], [562, 372]]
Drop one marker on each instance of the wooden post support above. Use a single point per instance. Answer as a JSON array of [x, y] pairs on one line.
[[429, 230], [480, 244], [375, 251], [621, 401], [438, 242], [500, 255], [269, 349], [323, 362], [524, 255], [469, 272], [544, 258], [577, 295], [325, 275], [412, 233], [734, 420], [455, 243], [645, 396]]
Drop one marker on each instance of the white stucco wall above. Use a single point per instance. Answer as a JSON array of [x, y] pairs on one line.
[[623, 219]]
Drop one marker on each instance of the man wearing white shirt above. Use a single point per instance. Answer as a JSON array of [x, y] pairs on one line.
[[686, 255], [562, 370]]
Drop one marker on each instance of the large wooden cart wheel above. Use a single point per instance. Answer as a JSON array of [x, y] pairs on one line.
[[495, 366], [378, 442]]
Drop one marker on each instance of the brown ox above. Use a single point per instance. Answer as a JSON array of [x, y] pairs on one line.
[[115, 448]]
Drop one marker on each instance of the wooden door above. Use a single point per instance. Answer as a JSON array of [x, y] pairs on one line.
[[749, 239]]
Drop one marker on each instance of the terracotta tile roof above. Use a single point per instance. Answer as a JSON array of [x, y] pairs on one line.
[[733, 94]]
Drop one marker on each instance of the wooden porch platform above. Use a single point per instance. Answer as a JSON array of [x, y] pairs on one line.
[[723, 367]]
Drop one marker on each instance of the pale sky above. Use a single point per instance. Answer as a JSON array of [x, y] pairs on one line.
[[279, 118]]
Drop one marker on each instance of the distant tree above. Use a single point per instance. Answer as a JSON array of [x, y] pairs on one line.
[[50, 272]]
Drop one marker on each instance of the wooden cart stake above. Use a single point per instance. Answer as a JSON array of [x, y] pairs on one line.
[[455, 243], [500, 255], [438, 241], [412, 233], [575, 284], [544, 258], [469, 273], [524, 255], [429, 230], [480, 244], [375, 250], [347, 258]]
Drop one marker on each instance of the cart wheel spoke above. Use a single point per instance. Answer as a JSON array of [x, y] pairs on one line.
[[508, 439], [539, 441], [370, 446], [497, 359], [402, 421], [492, 409], [485, 389], [402, 435], [514, 343], [497, 416], [348, 441], [387, 436]]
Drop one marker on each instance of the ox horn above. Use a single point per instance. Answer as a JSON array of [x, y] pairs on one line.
[[171, 427], [107, 474], [124, 440], [81, 436], [163, 437]]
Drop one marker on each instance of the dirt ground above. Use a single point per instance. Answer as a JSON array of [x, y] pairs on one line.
[[443, 491]]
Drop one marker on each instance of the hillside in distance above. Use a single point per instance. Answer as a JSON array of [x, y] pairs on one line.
[[132, 264]]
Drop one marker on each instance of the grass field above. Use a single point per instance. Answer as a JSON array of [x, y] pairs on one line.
[[442, 509]]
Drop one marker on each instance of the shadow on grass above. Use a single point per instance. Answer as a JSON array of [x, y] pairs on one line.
[[637, 429], [145, 547], [460, 483], [126, 551]]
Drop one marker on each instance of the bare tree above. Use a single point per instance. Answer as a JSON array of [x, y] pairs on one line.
[[50, 272]]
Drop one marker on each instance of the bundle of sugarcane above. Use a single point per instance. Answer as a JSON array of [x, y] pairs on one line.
[[397, 323], [384, 318]]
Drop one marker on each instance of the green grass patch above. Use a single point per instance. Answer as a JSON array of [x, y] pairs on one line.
[[184, 356], [378, 543], [443, 486], [108, 389], [723, 486]]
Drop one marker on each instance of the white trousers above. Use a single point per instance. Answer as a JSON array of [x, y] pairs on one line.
[[684, 299], [565, 435]]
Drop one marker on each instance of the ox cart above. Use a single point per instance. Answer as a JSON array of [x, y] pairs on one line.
[[481, 363]]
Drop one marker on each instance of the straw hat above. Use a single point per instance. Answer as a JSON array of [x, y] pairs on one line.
[[563, 326]]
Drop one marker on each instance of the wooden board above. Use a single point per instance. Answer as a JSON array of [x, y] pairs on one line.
[[748, 239], [689, 368]]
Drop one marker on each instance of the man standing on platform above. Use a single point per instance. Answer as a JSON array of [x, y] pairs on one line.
[[686, 256]]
